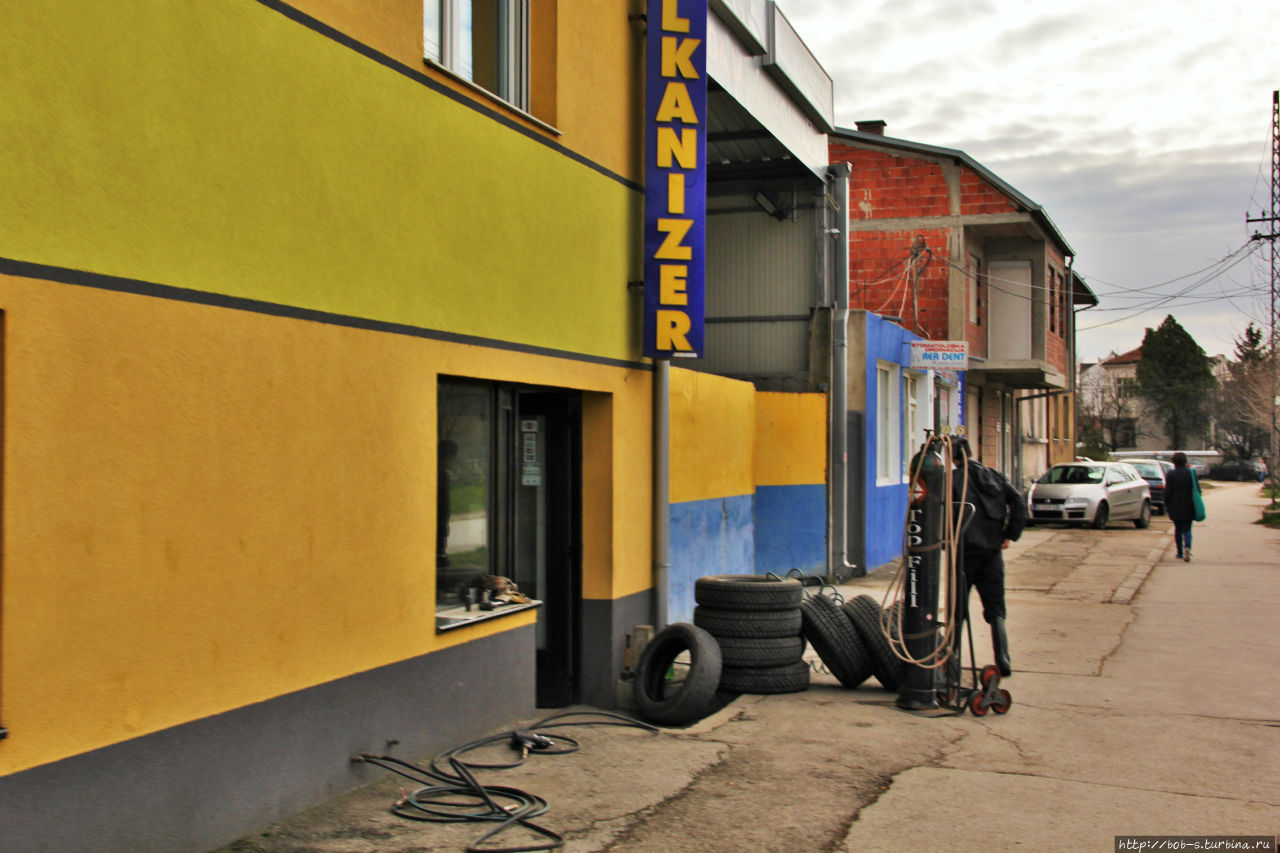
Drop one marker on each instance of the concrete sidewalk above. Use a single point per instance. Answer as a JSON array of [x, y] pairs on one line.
[[1144, 699]]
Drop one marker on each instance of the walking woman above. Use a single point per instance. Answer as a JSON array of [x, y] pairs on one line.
[[1181, 497]]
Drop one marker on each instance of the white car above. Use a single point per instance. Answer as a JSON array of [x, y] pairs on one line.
[[1094, 493]]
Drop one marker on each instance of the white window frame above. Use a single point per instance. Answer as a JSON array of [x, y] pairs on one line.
[[446, 28], [888, 423], [911, 432]]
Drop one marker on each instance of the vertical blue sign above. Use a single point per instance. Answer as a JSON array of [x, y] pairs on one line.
[[675, 178]]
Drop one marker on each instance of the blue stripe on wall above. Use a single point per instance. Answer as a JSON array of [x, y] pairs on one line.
[[709, 537], [791, 529]]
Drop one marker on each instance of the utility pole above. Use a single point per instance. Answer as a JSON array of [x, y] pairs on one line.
[[1274, 220]]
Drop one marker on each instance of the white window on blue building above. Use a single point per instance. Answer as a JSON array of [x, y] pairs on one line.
[[888, 431]]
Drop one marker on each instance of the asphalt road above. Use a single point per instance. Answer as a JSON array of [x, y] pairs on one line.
[[1145, 702]]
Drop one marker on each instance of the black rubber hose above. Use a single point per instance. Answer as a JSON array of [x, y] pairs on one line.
[[456, 796]]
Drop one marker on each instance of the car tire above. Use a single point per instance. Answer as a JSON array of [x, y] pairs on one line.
[[747, 592], [864, 614], [1143, 521], [1101, 516], [756, 652], [788, 678], [748, 623], [833, 637], [696, 697]]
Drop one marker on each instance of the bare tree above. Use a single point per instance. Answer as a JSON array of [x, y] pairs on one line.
[[1111, 405]]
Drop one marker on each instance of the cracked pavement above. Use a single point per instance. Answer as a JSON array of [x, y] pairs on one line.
[[1145, 702]]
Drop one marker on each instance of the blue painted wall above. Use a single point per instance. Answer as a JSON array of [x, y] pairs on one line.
[[791, 529], [708, 537], [886, 506]]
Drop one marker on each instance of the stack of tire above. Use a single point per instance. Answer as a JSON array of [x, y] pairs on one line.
[[756, 621]]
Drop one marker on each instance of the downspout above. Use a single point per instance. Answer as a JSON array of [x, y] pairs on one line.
[[661, 490], [838, 406]]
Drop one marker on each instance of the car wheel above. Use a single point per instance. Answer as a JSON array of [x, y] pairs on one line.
[[1101, 516], [1143, 521]]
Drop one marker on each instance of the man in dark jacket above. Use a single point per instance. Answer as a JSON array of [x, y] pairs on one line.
[[998, 516]]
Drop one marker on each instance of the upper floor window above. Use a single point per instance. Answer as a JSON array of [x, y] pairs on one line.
[[1053, 300], [485, 42]]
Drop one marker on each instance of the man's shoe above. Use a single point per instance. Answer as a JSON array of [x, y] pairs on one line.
[[1188, 556]]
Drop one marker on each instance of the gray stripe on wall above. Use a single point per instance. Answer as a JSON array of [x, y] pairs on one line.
[[605, 625], [203, 784]]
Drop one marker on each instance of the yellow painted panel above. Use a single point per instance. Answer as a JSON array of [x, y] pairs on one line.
[[206, 508], [598, 107], [226, 148], [712, 436], [791, 439]]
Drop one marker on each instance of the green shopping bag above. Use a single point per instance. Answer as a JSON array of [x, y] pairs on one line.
[[1196, 500]]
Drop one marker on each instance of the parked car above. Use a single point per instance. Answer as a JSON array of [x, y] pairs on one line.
[[1236, 469], [1094, 493], [1199, 466], [1153, 471]]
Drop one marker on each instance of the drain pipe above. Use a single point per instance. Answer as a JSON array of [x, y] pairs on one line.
[[838, 405], [661, 490]]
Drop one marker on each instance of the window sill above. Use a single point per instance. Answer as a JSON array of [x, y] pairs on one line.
[[488, 95], [460, 617]]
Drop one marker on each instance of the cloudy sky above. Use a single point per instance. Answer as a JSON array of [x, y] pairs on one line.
[[1143, 128]]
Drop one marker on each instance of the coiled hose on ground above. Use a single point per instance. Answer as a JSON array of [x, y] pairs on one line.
[[456, 796]]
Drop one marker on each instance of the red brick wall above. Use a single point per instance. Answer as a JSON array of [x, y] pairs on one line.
[[978, 196], [880, 279], [884, 186]]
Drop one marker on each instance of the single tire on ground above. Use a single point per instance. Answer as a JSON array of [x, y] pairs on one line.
[[864, 613], [760, 651], [1143, 521], [748, 623], [748, 592], [788, 678], [671, 702], [833, 637]]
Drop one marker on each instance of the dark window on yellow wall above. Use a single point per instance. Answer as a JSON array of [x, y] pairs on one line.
[[483, 41], [466, 487]]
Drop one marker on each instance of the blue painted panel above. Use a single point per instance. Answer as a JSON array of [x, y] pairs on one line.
[[710, 537], [885, 515], [886, 506], [791, 529]]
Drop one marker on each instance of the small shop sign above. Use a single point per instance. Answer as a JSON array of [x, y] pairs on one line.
[[940, 355]]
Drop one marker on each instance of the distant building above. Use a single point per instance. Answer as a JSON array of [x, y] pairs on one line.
[[1109, 400], [943, 247]]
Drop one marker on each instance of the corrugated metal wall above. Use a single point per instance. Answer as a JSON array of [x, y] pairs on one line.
[[761, 276]]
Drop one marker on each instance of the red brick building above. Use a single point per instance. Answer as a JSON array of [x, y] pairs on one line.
[[952, 252]]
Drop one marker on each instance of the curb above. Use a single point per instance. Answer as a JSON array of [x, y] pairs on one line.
[[1128, 589]]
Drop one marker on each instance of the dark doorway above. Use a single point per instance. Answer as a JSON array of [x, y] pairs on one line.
[[546, 482]]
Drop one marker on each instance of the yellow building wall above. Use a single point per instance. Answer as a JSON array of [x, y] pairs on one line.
[[578, 96], [203, 507], [791, 439], [713, 423], [206, 508], [224, 147]]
